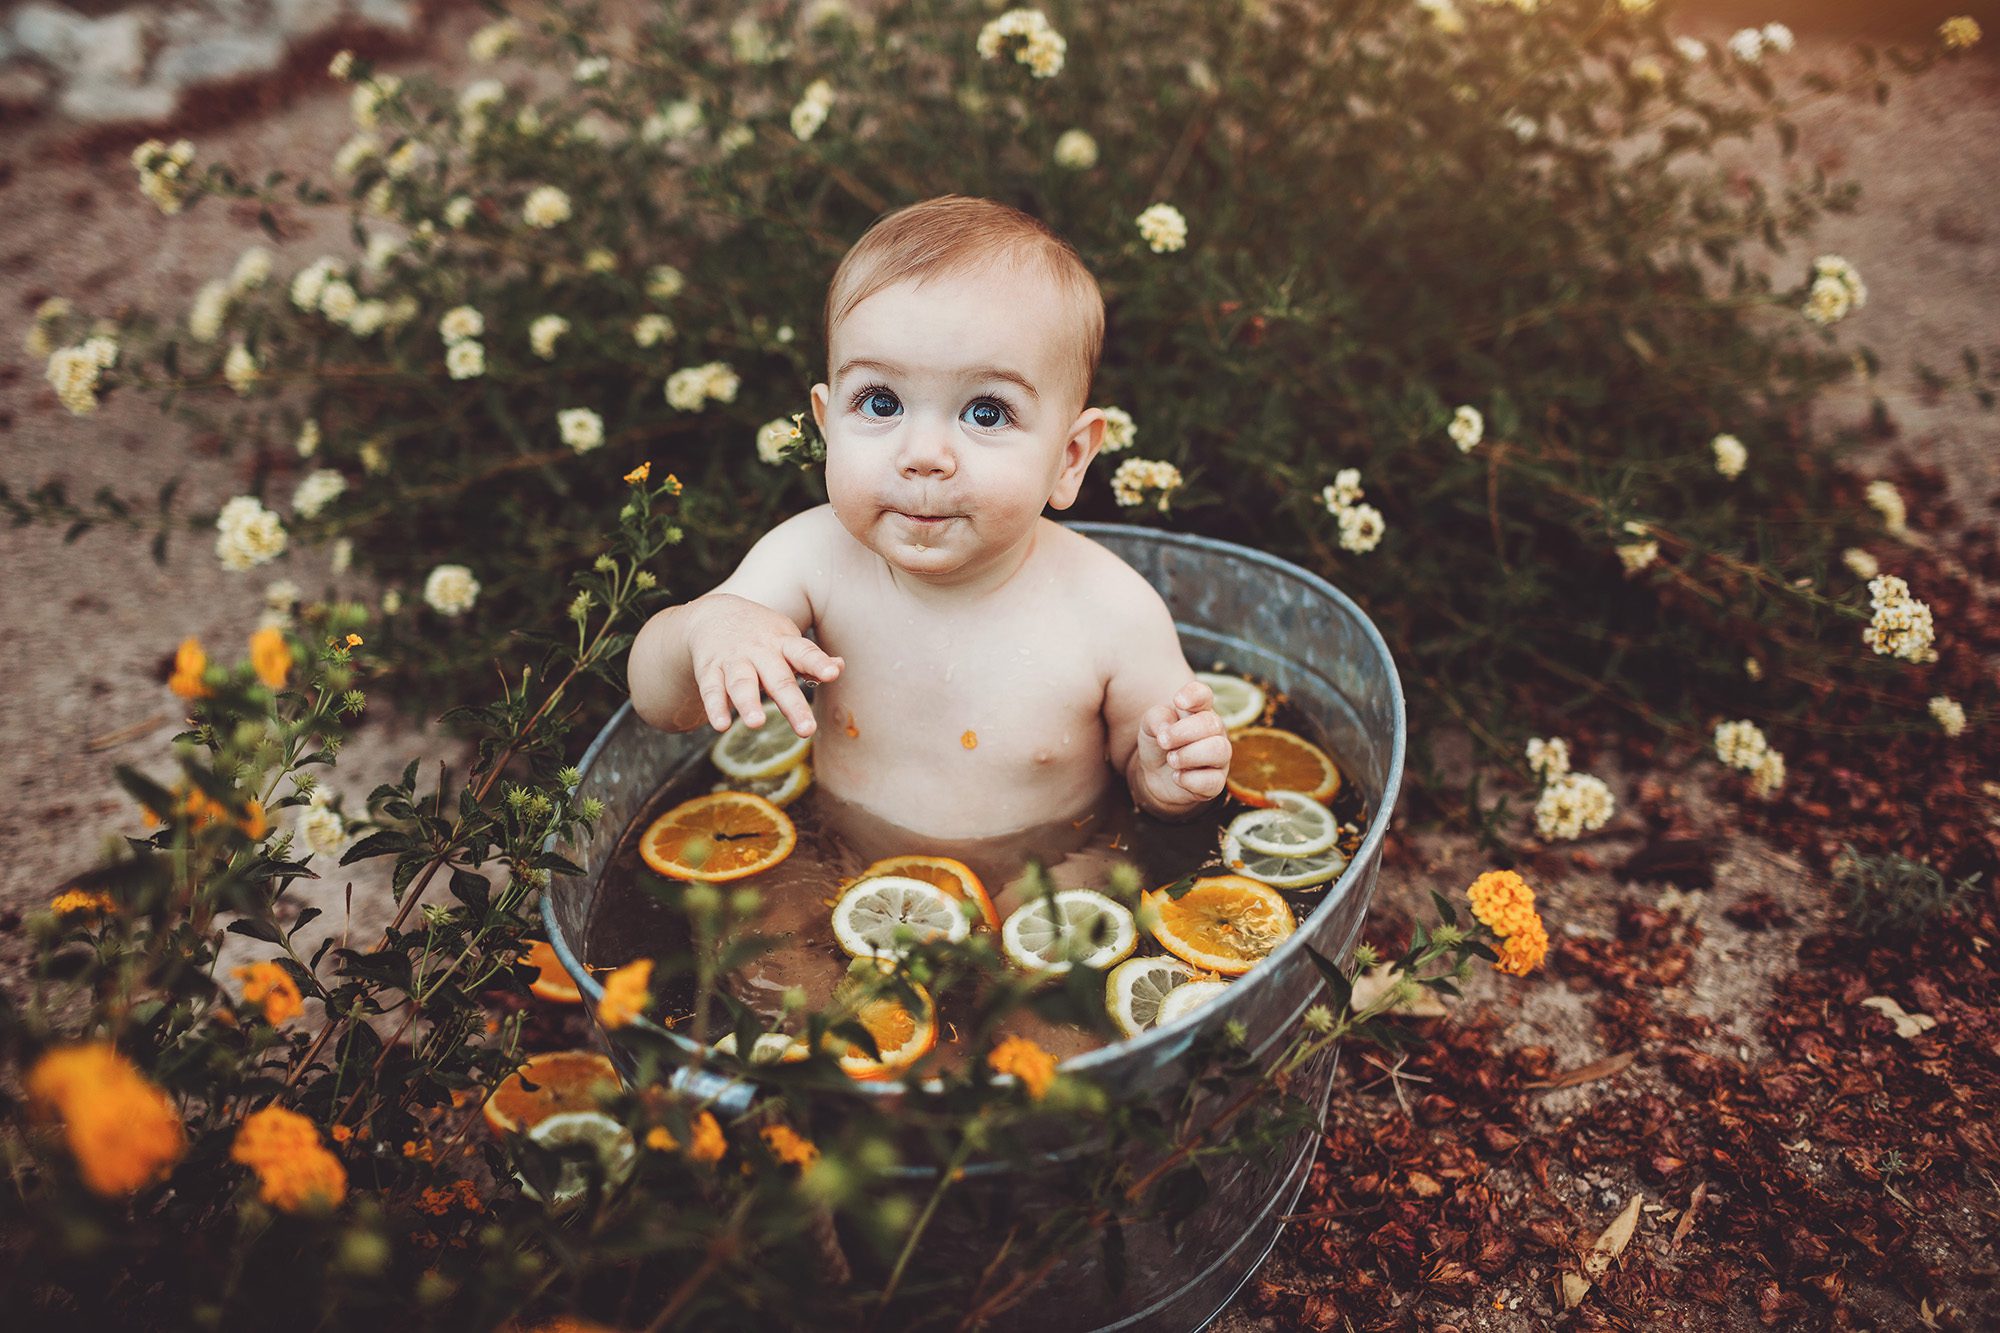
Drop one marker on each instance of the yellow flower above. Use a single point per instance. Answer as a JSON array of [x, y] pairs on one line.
[[294, 1169], [122, 1130], [1018, 1056], [254, 823], [1959, 33], [271, 986], [1505, 905], [189, 664], [77, 902], [1523, 951], [625, 994], [708, 1145], [659, 1140], [673, 484], [789, 1146], [353, 641], [639, 474], [271, 656]]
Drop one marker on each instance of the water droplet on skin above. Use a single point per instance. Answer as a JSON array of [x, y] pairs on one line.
[[949, 670]]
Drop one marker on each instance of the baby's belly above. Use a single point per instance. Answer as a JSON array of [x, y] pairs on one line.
[[959, 776]]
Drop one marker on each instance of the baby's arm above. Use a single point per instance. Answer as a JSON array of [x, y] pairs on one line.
[[1160, 722], [746, 639]]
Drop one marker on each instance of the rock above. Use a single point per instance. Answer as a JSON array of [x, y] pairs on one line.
[[398, 16], [114, 49], [108, 103], [213, 59], [300, 19], [51, 32]]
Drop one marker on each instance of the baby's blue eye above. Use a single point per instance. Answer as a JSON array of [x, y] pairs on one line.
[[985, 413], [875, 398]]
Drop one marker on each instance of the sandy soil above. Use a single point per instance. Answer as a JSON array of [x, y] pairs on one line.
[[90, 624]]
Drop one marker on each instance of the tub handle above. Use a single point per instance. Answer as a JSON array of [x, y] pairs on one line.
[[731, 1097]]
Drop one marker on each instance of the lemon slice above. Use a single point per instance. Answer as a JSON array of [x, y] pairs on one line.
[[870, 916], [1281, 872], [747, 752], [780, 791], [770, 1048], [1294, 824], [1135, 988], [1074, 926], [611, 1141], [1185, 999], [1237, 702]]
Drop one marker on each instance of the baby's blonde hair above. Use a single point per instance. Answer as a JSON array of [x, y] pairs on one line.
[[954, 234]]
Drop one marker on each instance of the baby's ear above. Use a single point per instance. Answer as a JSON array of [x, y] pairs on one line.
[[819, 397], [1085, 438]]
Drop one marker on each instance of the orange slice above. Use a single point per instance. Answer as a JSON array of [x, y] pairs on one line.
[[1267, 759], [954, 877], [552, 982], [1225, 923], [564, 1081], [902, 1037], [723, 835]]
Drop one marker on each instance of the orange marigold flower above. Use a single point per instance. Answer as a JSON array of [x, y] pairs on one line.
[[341, 1133], [255, 823], [189, 664], [271, 656], [639, 474], [673, 484], [122, 1130], [787, 1145], [625, 994], [271, 986], [294, 1169], [1018, 1056], [354, 641], [1523, 951], [659, 1140], [708, 1144], [78, 902], [1503, 902]]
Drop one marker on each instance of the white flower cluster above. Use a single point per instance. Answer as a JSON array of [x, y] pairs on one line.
[[812, 109], [1886, 500], [1444, 16], [1742, 745], [1949, 714], [775, 437], [693, 388], [355, 154], [1467, 428], [1730, 456], [1120, 431], [308, 439], [652, 330], [74, 371], [1042, 48], [494, 40], [368, 98], [341, 66], [1136, 476], [1749, 44], [1859, 563], [281, 601], [1163, 228], [451, 590], [247, 534], [320, 826], [464, 354], [317, 490], [582, 429], [543, 333], [475, 100], [591, 69], [1902, 625], [162, 172], [1691, 49], [1571, 804], [1636, 556], [664, 282], [673, 122], [1361, 525], [38, 343], [1075, 151], [734, 139], [547, 206], [1837, 290], [240, 368]]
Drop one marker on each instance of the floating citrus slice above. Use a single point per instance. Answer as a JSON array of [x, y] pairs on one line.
[[780, 791], [1267, 759], [1283, 872], [954, 877], [551, 981], [1225, 923], [901, 1037], [1074, 926], [563, 1081], [770, 1048], [724, 835], [1237, 702], [886, 916], [1133, 991], [609, 1140], [747, 752], [1186, 999], [1293, 824]]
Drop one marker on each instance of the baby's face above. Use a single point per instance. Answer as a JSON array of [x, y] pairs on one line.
[[953, 418]]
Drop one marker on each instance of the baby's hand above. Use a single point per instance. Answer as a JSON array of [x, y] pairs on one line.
[[741, 650], [1184, 749]]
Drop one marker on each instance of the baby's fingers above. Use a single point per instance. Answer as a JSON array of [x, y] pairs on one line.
[[810, 658], [783, 687], [1209, 752], [1194, 697], [714, 698], [1202, 782], [740, 678]]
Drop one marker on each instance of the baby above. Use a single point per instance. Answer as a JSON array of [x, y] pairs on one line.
[[980, 668]]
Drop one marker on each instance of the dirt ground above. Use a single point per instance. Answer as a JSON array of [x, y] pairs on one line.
[[90, 625]]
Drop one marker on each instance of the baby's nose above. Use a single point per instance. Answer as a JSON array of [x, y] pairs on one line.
[[927, 455]]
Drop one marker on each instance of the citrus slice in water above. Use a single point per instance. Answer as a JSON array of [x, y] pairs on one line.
[[886, 916], [563, 1081], [1186, 999], [1237, 702], [551, 981], [1074, 926], [780, 791], [1294, 824], [902, 1037], [609, 1140], [723, 835], [770, 1048], [1267, 759], [954, 877], [1225, 923], [747, 752], [1282, 872], [1135, 988]]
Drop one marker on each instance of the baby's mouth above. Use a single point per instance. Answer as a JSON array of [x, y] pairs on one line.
[[930, 519]]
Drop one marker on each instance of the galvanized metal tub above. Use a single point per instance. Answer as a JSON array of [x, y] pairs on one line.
[[1262, 616]]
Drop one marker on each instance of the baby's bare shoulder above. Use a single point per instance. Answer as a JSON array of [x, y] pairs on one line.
[[1103, 588]]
